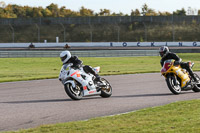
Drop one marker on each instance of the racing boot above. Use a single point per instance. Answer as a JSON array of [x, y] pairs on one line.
[[193, 77], [191, 72], [97, 78], [97, 81]]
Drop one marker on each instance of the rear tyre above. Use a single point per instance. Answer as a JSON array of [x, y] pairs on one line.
[[197, 86], [73, 93], [106, 91], [173, 85]]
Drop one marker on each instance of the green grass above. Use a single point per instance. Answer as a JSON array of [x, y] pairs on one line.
[[175, 117], [16, 69], [179, 117]]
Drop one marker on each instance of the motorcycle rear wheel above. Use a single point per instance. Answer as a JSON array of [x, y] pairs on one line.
[[175, 89], [197, 86], [106, 91], [73, 93]]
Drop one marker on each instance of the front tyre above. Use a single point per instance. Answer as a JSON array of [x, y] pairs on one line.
[[173, 84], [197, 86], [106, 91], [73, 93]]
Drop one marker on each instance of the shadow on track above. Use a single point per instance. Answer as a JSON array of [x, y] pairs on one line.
[[38, 101], [93, 97], [149, 95], [47, 101]]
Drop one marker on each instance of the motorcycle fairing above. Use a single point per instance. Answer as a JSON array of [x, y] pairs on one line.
[[88, 89], [77, 73], [183, 76], [96, 69], [168, 67]]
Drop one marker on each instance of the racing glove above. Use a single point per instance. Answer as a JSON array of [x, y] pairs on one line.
[[176, 63]]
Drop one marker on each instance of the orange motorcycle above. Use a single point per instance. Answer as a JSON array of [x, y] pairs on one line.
[[178, 79]]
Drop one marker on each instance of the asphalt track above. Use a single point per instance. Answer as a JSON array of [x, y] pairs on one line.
[[28, 104]]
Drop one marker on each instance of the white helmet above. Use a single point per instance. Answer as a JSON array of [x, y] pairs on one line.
[[163, 51], [65, 56]]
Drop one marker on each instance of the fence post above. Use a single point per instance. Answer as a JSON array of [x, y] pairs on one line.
[[145, 31], [64, 40], [13, 33], [91, 34], [173, 31], [118, 33], [38, 28]]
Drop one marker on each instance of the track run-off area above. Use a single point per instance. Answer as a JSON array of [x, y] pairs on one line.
[[28, 104]]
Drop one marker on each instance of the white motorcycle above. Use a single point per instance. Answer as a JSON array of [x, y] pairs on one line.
[[78, 83]]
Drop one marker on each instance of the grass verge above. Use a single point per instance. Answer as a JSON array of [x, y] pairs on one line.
[[175, 117], [17, 69], [183, 117]]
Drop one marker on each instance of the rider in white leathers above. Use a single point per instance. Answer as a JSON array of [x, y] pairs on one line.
[[66, 58]]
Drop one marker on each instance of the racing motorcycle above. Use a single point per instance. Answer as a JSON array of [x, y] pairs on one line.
[[77, 83], [178, 79]]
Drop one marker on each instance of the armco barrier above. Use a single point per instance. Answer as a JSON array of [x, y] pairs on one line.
[[92, 53], [102, 44]]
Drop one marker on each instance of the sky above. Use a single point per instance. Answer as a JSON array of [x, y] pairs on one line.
[[124, 6]]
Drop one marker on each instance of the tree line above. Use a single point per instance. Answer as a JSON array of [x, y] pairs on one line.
[[52, 10]]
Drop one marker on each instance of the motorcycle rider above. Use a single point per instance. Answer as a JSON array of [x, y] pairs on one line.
[[166, 54], [66, 58]]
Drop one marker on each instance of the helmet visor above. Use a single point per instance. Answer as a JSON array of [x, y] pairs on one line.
[[161, 54], [63, 58]]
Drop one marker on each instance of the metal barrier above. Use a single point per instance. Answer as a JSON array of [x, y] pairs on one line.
[[91, 53]]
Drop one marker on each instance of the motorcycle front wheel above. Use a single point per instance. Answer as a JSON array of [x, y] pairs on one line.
[[73, 93], [197, 86], [106, 91], [172, 84]]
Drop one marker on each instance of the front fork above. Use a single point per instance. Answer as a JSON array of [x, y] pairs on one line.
[[175, 80]]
